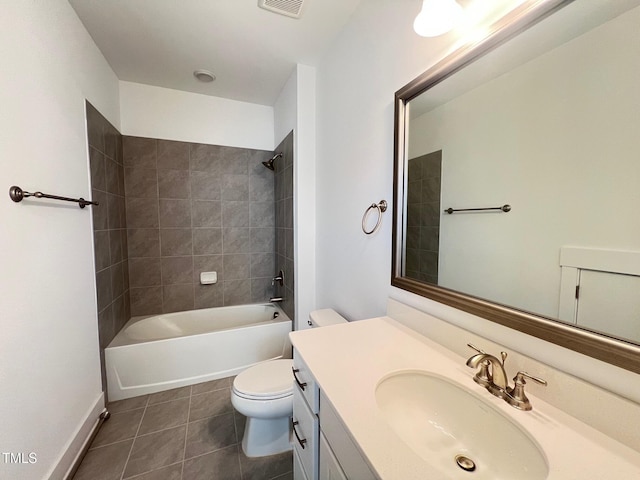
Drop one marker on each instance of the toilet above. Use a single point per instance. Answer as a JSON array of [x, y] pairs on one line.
[[264, 394]]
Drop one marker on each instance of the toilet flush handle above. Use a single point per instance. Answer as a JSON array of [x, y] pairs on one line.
[[300, 384]]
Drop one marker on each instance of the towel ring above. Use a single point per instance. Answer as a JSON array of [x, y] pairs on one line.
[[381, 207]]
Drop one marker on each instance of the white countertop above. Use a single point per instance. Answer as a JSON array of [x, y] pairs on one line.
[[349, 360]]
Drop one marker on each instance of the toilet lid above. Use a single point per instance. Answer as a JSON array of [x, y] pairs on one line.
[[267, 379]]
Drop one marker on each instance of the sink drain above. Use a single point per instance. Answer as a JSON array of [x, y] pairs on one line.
[[465, 463]]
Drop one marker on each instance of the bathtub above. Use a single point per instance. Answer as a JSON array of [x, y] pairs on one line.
[[152, 354]]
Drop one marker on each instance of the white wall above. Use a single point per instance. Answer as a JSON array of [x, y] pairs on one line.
[[157, 112], [295, 110], [568, 177], [377, 54], [49, 361]]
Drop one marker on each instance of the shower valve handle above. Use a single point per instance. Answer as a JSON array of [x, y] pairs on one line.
[[278, 278]]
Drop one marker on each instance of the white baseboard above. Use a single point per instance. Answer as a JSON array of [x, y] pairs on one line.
[[76, 444]]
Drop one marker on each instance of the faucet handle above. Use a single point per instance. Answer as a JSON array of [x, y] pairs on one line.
[[516, 396], [519, 378], [503, 355], [473, 347]]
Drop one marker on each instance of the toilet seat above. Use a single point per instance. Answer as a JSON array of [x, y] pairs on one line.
[[265, 381]]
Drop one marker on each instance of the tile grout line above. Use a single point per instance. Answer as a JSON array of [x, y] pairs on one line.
[[186, 433], [124, 469]]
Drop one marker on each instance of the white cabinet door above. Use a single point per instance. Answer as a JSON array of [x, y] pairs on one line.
[[610, 303], [329, 466], [298, 470]]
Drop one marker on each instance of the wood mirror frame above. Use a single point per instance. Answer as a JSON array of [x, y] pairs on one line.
[[602, 347]]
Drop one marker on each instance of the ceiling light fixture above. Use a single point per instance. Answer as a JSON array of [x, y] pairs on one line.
[[204, 76], [437, 17]]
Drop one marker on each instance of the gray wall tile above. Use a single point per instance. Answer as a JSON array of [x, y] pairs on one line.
[[206, 213], [102, 249], [146, 300], [142, 213], [208, 197], [177, 270], [262, 214], [139, 152], [237, 292], [208, 296], [176, 298], [174, 213], [143, 242], [173, 155], [236, 267], [173, 184], [207, 241], [205, 185], [175, 242], [205, 158], [144, 272], [109, 224], [140, 182], [236, 240], [235, 187], [235, 214]]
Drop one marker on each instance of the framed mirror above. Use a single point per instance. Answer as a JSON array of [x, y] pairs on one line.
[[517, 173]]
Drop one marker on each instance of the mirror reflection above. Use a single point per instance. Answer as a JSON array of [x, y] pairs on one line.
[[553, 132]]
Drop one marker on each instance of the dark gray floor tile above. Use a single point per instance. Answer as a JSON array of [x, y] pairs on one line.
[[210, 404], [172, 472], [219, 465], [120, 426], [214, 433], [286, 476], [169, 395], [212, 385], [265, 468], [105, 463], [165, 415], [128, 404], [156, 450]]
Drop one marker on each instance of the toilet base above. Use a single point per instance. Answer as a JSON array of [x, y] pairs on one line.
[[266, 436]]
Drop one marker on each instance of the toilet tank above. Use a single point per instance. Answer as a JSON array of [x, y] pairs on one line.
[[324, 317]]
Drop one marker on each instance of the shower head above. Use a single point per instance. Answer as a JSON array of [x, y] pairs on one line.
[[269, 163]]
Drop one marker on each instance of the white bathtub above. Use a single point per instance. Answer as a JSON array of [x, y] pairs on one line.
[[152, 354]]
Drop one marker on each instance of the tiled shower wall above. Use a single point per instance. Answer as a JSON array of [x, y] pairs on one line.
[[195, 208], [284, 223], [423, 217], [109, 227]]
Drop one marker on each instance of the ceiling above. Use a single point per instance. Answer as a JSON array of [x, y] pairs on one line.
[[251, 51]]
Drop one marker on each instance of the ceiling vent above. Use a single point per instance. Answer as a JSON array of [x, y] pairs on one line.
[[289, 8]]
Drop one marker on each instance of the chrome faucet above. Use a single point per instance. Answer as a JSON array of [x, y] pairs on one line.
[[495, 379]]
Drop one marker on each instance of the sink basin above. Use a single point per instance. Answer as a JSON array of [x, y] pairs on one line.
[[457, 431]]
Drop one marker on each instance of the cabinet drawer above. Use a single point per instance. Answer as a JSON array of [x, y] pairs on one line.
[[329, 466], [306, 382], [305, 434]]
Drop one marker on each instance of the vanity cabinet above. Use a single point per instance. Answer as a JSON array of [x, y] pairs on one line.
[[323, 450], [306, 427]]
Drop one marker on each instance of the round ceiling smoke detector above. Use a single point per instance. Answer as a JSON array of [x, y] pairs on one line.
[[204, 76]]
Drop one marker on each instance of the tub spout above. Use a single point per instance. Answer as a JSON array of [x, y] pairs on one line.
[[275, 299]]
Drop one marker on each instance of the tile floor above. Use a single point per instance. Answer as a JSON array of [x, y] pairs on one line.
[[189, 433]]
